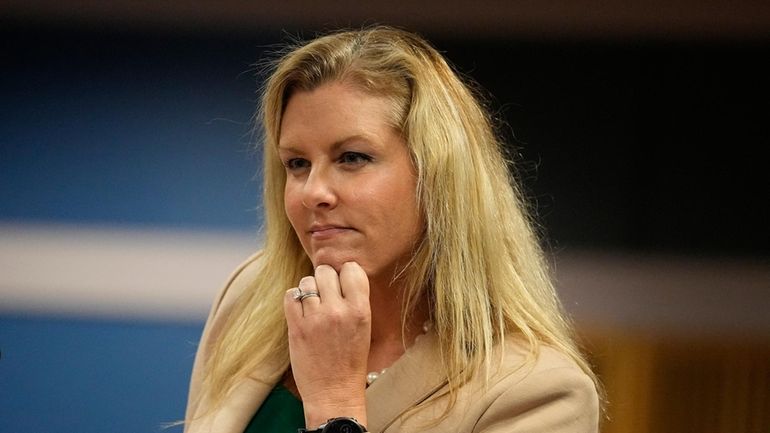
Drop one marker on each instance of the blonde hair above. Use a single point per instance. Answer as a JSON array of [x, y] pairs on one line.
[[479, 264]]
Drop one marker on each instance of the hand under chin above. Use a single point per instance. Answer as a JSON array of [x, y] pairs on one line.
[[335, 260]]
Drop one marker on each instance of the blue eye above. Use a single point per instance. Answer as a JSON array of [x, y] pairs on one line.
[[354, 158], [296, 163]]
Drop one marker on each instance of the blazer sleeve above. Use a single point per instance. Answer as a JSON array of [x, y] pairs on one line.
[[555, 400]]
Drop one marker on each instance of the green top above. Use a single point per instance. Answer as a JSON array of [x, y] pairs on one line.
[[281, 412]]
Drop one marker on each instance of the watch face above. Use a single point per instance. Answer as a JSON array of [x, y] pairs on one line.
[[343, 425]]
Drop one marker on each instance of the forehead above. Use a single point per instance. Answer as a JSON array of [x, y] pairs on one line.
[[331, 111]]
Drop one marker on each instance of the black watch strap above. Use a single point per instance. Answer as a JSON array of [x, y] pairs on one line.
[[338, 425]]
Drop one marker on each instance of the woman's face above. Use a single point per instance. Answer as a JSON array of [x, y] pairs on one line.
[[350, 184]]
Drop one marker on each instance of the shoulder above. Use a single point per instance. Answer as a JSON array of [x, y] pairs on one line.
[[545, 392], [549, 392], [239, 281], [236, 284]]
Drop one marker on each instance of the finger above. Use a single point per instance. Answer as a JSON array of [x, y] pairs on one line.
[[292, 308], [354, 283], [328, 283], [309, 303]]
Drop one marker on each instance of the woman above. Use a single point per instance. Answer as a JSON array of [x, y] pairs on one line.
[[409, 261]]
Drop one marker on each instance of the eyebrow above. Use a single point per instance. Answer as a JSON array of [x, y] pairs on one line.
[[335, 146]]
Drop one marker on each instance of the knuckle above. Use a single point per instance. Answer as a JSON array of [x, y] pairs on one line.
[[360, 315], [307, 281], [324, 268], [349, 267], [335, 316]]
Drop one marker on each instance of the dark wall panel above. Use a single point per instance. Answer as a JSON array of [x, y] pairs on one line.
[[641, 145]]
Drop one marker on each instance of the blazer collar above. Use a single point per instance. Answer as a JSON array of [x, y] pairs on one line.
[[413, 378]]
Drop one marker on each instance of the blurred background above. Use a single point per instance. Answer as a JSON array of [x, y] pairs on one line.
[[129, 190]]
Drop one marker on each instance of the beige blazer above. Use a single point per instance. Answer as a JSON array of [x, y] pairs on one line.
[[550, 394]]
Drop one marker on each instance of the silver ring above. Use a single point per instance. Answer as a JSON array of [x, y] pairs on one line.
[[305, 295]]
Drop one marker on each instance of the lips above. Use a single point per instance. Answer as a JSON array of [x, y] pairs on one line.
[[327, 231]]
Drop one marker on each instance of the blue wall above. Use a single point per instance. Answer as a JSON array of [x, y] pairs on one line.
[[128, 129], [81, 375], [110, 129]]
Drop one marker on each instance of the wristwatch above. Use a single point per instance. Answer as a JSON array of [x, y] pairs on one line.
[[338, 425]]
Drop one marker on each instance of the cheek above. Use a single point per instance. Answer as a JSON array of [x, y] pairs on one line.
[[401, 204], [292, 203]]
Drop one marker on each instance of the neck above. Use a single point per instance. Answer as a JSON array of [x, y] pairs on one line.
[[387, 341]]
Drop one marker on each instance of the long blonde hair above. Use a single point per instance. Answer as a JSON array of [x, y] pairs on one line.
[[479, 264]]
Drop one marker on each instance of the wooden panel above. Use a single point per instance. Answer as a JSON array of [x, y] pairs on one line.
[[660, 384]]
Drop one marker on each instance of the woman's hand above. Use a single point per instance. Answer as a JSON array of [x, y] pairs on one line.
[[329, 338]]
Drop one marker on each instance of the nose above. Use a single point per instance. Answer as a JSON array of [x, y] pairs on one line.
[[318, 191]]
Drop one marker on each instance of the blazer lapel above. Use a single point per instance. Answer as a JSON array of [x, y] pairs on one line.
[[414, 377]]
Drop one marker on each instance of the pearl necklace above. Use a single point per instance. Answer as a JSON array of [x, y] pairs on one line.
[[374, 375]]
